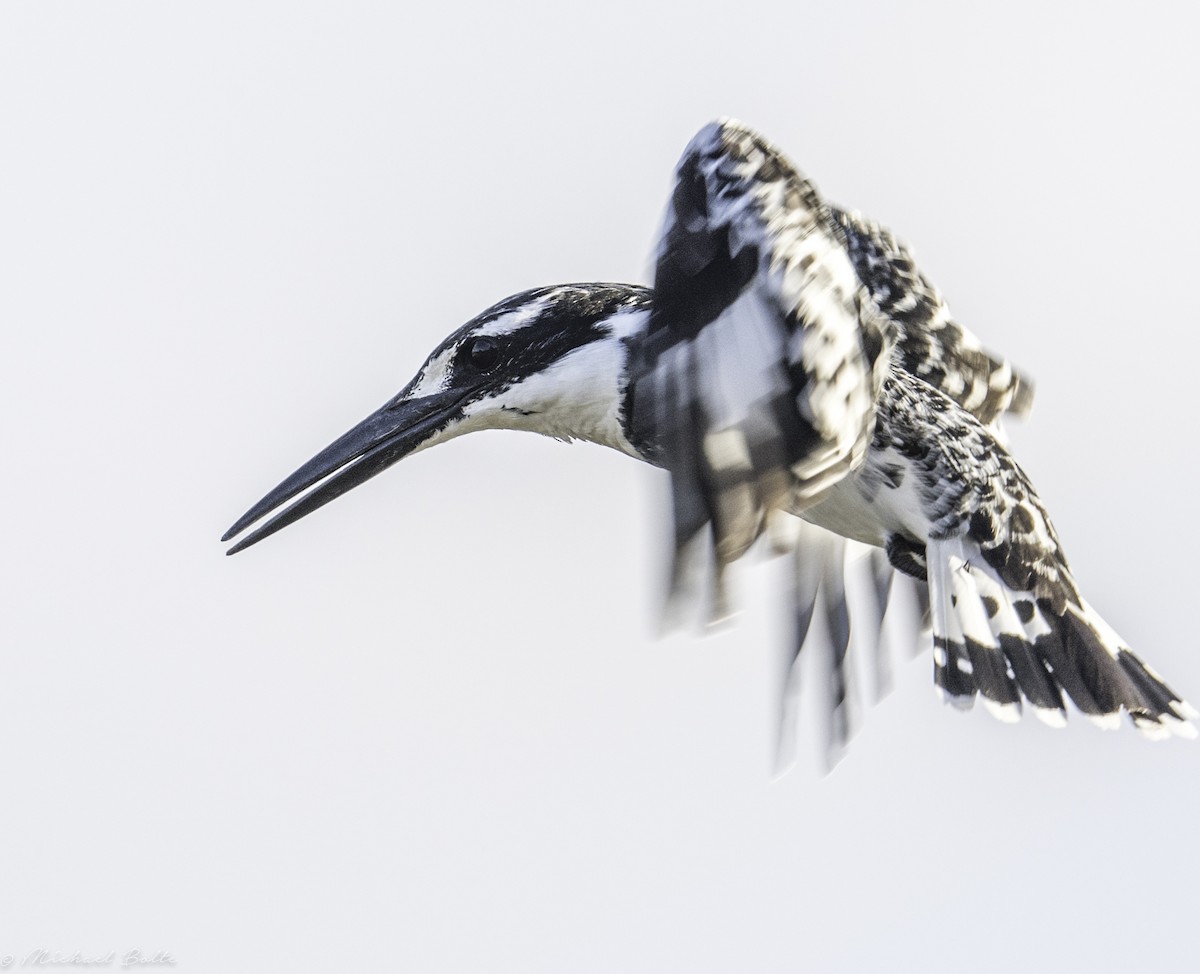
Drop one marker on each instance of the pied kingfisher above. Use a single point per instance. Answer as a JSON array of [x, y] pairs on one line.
[[790, 362]]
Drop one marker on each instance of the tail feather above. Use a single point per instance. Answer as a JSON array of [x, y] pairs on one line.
[[952, 673], [1160, 699], [1036, 684], [809, 566], [1017, 648], [990, 668], [1164, 712], [837, 615], [1107, 685], [1013, 640], [882, 576]]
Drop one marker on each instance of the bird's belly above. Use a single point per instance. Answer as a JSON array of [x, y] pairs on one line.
[[846, 512], [869, 505]]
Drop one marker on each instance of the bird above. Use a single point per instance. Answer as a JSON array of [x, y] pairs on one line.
[[790, 365]]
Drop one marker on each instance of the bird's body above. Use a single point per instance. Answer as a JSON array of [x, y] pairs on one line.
[[791, 360]]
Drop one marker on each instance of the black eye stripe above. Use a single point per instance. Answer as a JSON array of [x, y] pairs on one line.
[[553, 323]]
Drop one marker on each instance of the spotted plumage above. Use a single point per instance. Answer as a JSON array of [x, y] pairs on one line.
[[931, 344], [791, 363], [1008, 620]]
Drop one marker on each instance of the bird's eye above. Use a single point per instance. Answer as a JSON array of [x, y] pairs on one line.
[[483, 353]]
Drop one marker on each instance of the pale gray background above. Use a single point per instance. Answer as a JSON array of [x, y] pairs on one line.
[[428, 729]]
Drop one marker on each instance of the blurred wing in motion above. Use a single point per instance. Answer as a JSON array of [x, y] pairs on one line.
[[756, 383], [840, 592]]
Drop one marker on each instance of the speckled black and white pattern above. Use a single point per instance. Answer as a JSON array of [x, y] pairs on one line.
[[797, 359], [1008, 620], [777, 372], [929, 343], [967, 482]]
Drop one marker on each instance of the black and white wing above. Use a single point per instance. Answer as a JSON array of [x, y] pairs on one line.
[[930, 344], [757, 380]]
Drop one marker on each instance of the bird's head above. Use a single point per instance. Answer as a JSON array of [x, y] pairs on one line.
[[553, 360]]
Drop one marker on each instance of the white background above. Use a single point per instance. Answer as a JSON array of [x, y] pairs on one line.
[[429, 729]]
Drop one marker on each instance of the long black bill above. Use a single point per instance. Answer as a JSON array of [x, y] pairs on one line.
[[381, 439]]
